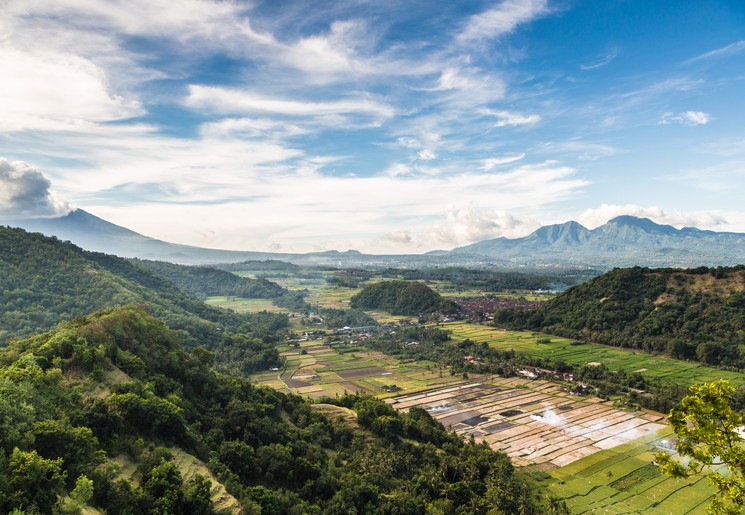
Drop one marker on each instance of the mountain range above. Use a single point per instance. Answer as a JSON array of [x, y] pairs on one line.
[[622, 241]]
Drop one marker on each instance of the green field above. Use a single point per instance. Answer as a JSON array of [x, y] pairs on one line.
[[681, 372], [624, 480], [242, 305]]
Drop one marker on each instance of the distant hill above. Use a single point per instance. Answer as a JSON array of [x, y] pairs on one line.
[[696, 314], [623, 241], [402, 298]]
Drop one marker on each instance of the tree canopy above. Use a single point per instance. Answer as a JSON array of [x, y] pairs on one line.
[[709, 434]]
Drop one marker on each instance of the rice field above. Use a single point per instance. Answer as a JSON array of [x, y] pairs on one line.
[[624, 480], [682, 372], [533, 422], [594, 456]]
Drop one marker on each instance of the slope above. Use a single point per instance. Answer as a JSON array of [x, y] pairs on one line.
[[694, 314], [271, 451], [44, 281]]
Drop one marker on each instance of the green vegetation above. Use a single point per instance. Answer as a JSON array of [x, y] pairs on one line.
[[207, 282], [709, 434], [688, 314], [44, 281], [402, 298], [623, 480], [66, 427]]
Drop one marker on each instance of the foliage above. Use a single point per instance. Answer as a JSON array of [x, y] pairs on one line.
[[44, 281], [696, 314], [206, 282], [709, 434], [273, 452], [402, 298]]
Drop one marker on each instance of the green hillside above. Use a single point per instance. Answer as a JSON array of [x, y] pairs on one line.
[[696, 314], [402, 298], [44, 281], [207, 282], [106, 410]]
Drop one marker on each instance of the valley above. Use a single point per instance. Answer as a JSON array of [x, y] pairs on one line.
[[579, 421]]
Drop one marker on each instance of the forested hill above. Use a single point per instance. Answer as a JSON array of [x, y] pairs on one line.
[[402, 298], [694, 314], [206, 282], [44, 281], [109, 411]]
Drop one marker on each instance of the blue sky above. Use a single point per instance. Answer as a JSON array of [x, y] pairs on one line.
[[384, 126]]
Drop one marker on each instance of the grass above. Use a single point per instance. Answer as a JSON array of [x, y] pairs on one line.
[[681, 372]]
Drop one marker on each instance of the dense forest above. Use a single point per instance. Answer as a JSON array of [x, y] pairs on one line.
[[695, 314], [44, 281], [207, 282], [402, 298], [96, 412]]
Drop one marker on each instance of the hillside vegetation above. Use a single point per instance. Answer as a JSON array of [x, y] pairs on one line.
[[402, 298], [101, 411], [206, 282], [44, 281], [694, 314]]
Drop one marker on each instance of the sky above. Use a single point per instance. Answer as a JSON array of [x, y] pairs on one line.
[[386, 126]]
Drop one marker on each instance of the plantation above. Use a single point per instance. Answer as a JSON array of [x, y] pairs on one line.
[[564, 349]]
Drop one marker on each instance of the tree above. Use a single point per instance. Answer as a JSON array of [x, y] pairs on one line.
[[708, 434]]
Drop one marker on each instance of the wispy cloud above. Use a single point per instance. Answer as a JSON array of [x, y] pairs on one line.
[[494, 162], [233, 101], [686, 118], [725, 51], [594, 217], [54, 91], [507, 118], [501, 19], [603, 61]]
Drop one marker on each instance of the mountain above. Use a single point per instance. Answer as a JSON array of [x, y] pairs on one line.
[[693, 314], [93, 233], [623, 241]]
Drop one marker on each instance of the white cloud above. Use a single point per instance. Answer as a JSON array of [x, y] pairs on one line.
[[493, 162], [686, 118], [507, 118], [466, 86], [502, 19], [53, 91], [426, 155], [602, 62], [725, 51], [594, 217], [233, 101], [251, 128], [469, 225], [25, 193]]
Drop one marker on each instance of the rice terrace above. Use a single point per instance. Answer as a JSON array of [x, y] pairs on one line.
[[580, 449]]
